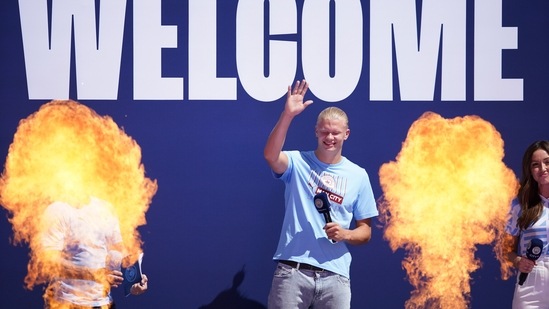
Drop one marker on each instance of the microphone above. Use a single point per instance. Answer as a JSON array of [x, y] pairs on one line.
[[533, 252], [322, 204]]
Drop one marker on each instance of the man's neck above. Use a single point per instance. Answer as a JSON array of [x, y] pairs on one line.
[[327, 157]]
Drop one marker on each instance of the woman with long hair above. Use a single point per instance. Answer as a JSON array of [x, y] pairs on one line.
[[528, 229]]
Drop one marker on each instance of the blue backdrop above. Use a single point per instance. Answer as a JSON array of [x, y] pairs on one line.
[[199, 85]]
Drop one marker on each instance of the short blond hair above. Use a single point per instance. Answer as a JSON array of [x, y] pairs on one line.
[[333, 113]]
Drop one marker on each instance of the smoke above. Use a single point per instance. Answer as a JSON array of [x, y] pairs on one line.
[[67, 152], [447, 192]]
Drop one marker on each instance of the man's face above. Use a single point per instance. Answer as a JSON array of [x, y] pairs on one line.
[[331, 133]]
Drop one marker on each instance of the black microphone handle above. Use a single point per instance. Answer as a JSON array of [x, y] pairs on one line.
[[328, 219], [522, 278], [533, 252]]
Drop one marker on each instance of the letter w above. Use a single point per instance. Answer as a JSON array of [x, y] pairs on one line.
[[97, 57]]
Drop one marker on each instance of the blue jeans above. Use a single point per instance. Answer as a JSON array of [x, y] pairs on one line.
[[303, 289]]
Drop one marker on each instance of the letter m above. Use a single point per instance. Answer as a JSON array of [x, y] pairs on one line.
[[420, 36]]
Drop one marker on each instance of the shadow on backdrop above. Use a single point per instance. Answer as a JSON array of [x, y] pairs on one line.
[[232, 298]]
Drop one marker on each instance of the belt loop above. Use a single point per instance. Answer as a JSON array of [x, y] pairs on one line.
[[297, 266]]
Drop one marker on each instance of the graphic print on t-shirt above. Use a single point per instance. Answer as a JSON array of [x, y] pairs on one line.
[[333, 185]]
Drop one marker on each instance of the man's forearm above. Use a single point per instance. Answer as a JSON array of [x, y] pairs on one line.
[[359, 235]]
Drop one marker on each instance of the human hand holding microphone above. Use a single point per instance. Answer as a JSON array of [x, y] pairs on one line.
[[533, 252], [322, 204]]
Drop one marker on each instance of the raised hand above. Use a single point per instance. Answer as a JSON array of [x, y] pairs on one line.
[[294, 98]]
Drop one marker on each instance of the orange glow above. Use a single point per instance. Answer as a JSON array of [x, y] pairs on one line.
[[67, 152], [447, 192]]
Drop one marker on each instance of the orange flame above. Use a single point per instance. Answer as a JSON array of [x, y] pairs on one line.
[[447, 192], [67, 152]]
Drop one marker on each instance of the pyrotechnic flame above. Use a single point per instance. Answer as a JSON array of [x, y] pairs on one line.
[[67, 152], [447, 192]]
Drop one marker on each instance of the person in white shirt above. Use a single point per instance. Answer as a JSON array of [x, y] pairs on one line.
[[530, 220]]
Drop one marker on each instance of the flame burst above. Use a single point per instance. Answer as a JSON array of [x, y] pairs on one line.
[[66, 152], [447, 192]]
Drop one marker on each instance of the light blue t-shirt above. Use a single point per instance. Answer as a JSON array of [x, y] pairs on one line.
[[540, 228], [303, 238]]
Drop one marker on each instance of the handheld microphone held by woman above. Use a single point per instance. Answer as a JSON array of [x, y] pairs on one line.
[[533, 252]]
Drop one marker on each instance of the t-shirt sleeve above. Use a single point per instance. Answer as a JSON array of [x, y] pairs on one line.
[[366, 204], [514, 213], [286, 175]]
